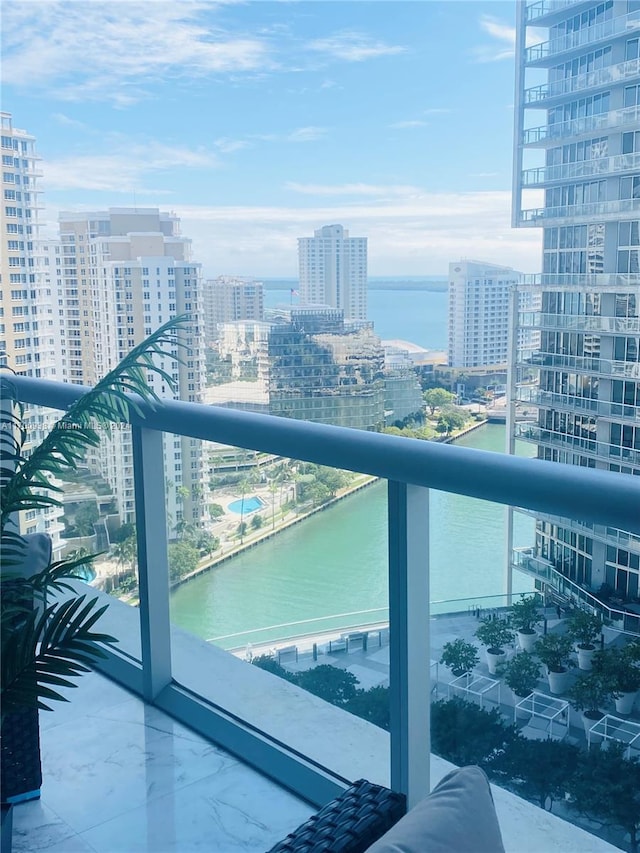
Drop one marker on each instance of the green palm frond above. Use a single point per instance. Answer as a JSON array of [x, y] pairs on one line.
[[50, 649], [25, 479], [46, 648]]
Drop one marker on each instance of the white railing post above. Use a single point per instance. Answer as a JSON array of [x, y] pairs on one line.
[[153, 561], [409, 642]]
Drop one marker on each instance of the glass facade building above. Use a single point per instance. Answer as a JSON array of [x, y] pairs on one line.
[[577, 176], [326, 370]]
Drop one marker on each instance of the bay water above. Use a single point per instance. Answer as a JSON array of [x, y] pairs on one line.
[[336, 562], [419, 316]]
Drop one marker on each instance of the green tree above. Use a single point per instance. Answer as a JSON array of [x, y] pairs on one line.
[[206, 543], [270, 664], [257, 521], [606, 787], [465, 734], [538, 770], [125, 531], [437, 398], [182, 493], [314, 491], [85, 517], [125, 552], [185, 530], [273, 490], [371, 705], [241, 530], [183, 559], [329, 683], [450, 419], [332, 478], [215, 511]]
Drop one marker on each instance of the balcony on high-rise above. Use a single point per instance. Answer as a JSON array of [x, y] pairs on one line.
[[184, 745], [552, 51]]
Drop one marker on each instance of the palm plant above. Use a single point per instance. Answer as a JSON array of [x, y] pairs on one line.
[[43, 648]]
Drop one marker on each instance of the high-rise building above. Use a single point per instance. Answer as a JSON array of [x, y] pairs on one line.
[[124, 272], [29, 321], [226, 299], [324, 369], [479, 313], [577, 176], [333, 271]]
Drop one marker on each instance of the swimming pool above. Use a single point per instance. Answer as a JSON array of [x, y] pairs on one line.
[[250, 505]]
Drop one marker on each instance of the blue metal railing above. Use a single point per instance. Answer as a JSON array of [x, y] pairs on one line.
[[412, 467], [601, 497]]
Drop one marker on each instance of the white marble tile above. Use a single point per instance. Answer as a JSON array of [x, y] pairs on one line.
[[104, 764], [234, 810], [75, 844], [93, 694], [37, 827]]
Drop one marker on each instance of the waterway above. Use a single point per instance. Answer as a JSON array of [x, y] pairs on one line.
[[336, 563]]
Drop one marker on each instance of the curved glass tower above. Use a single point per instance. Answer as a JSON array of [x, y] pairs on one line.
[[577, 177]]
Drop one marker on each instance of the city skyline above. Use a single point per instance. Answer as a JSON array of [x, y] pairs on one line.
[[258, 122]]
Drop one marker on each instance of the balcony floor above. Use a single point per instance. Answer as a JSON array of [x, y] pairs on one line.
[[122, 777]]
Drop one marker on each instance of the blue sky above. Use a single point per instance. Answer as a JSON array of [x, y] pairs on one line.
[[258, 122]]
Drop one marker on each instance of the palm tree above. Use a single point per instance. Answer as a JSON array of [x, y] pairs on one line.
[[41, 650], [273, 488]]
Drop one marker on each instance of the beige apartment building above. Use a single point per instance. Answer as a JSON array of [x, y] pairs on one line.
[[123, 273]]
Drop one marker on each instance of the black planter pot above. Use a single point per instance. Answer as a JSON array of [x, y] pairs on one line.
[[20, 768], [6, 828]]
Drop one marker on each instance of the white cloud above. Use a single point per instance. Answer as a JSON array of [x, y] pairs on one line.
[[299, 134], [228, 146], [67, 121], [382, 190], [504, 35], [401, 125], [406, 235], [306, 134], [124, 42], [411, 236], [124, 169], [352, 46], [437, 111]]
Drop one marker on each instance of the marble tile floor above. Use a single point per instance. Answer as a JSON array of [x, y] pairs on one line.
[[122, 777]]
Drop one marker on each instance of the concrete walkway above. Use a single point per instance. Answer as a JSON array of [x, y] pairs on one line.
[[371, 666]]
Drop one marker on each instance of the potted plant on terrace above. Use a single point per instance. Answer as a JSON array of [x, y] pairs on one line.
[[588, 694], [621, 670], [521, 674], [583, 628], [524, 615], [459, 656], [495, 634], [43, 648], [554, 650]]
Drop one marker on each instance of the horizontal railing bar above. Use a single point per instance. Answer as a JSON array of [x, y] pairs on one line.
[[600, 497]]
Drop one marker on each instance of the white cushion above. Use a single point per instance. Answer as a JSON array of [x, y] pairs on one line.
[[458, 816]]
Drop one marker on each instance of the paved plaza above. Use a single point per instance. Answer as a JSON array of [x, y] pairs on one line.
[[371, 665]]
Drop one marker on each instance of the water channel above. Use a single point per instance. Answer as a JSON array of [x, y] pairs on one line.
[[336, 563]]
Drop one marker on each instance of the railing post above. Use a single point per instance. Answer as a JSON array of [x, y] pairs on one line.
[[409, 642], [153, 561], [510, 427]]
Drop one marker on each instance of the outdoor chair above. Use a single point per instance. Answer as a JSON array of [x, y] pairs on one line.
[[457, 817]]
